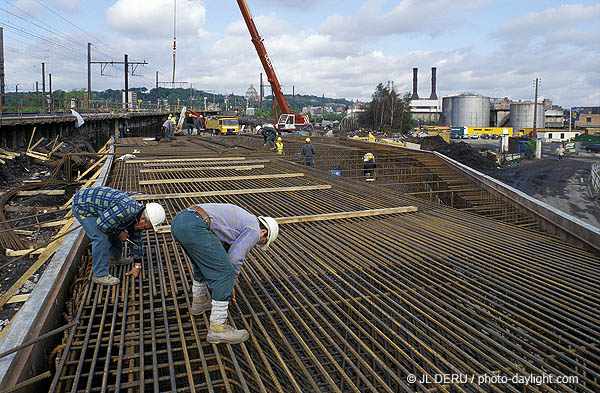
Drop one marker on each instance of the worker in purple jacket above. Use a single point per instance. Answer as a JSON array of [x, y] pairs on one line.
[[201, 229]]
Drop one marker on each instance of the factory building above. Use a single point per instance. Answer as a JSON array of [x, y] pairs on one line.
[[427, 110]]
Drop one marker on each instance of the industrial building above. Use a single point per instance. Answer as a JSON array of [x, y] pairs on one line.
[[433, 269], [473, 110], [425, 110]]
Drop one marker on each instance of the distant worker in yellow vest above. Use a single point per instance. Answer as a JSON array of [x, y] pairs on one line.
[[279, 145], [371, 137]]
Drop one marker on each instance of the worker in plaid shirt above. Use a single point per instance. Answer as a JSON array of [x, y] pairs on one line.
[[109, 217]]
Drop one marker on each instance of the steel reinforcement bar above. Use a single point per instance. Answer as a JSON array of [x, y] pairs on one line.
[[437, 300]]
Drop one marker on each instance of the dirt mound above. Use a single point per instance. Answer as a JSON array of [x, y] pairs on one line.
[[465, 154]]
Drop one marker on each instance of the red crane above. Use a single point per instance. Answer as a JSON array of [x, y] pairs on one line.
[[288, 121]]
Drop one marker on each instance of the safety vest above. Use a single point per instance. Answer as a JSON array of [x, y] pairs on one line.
[[279, 147]]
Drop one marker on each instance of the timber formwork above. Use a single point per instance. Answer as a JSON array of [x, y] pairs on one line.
[[460, 302]]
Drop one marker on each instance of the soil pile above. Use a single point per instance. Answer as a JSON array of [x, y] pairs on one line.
[[465, 154]]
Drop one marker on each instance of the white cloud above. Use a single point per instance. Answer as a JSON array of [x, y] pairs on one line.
[[409, 16], [567, 25], [154, 18], [68, 5], [302, 4], [29, 6]]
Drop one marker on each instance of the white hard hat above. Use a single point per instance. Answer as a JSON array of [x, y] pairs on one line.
[[272, 230], [257, 128], [368, 156], [155, 213]]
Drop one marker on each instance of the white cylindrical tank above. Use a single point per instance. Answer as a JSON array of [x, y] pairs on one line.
[[466, 110], [521, 115]]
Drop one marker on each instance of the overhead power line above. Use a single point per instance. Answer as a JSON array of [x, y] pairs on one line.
[[77, 27]]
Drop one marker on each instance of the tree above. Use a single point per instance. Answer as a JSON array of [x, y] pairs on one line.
[[387, 111]]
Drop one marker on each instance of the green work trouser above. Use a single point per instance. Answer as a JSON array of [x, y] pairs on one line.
[[209, 259]]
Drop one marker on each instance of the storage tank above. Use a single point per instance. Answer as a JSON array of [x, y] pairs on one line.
[[521, 115], [466, 110]]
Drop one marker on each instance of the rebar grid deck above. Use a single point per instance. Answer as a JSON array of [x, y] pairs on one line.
[[352, 305]]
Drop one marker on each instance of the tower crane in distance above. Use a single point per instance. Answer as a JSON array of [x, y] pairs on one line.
[[288, 121]]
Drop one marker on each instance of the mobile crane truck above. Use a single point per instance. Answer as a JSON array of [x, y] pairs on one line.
[[288, 121]]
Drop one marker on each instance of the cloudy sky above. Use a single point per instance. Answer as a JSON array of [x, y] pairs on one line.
[[340, 48]]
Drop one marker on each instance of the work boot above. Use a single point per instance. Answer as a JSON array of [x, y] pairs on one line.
[[225, 334], [105, 280], [120, 261], [200, 305]]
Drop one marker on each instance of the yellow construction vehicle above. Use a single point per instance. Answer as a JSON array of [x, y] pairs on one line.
[[223, 125]]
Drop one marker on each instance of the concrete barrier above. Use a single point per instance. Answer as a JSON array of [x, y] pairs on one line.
[[552, 220]]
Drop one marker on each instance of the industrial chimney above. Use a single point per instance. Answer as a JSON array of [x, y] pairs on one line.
[[415, 96], [433, 96]]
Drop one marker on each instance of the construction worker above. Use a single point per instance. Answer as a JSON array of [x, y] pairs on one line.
[[369, 166], [201, 229], [109, 217], [189, 122], [308, 153], [560, 151], [371, 137], [199, 123], [279, 145], [260, 131], [166, 128], [269, 133]]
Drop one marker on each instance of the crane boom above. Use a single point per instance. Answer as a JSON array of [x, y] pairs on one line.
[[264, 57]]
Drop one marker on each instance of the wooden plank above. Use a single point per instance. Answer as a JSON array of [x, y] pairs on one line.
[[5, 329], [231, 192], [18, 253], [101, 160], [31, 139], [18, 298], [41, 192], [36, 145], [327, 216], [53, 224], [91, 180], [174, 160], [226, 178], [37, 156], [44, 256], [175, 165], [27, 209], [342, 215], [9, 153], [57, 147], [205, 168], [23, 232]]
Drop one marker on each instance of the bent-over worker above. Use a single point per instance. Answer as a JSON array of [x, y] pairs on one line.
[[109, 217], [200, 229]]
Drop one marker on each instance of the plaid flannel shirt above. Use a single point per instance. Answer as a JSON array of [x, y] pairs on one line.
[[116, 212]]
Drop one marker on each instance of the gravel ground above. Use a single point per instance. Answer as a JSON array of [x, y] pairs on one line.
[[562, 184]]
